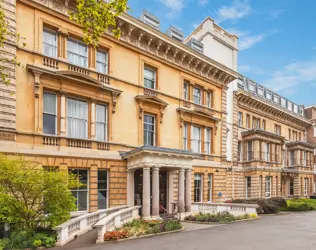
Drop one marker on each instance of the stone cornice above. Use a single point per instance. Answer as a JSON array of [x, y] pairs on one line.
[[300, 145], [262, 108], [262, 135]]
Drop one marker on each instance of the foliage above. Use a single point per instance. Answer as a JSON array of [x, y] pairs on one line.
[[28, 239], [31, 196], [96, 16], [6, 33], [300, 205], [115, 235], [221, 217]]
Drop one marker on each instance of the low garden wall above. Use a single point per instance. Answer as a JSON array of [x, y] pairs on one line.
[[213, 208]]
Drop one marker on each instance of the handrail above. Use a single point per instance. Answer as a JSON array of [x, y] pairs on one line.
[[165, 211]]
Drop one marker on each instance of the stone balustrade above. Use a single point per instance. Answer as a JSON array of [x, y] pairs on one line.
[[232, 208], [115, 220], [77, 226]]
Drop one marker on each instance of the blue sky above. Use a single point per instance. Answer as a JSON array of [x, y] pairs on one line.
[[277, 38]]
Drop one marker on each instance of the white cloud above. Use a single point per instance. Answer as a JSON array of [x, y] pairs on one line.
[[203, 2], [292, 76], [250, 69], [174, 5], [238, 9], [237, 32], [273, 14], [249, 41]]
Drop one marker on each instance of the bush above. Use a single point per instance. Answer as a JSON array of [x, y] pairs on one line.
[[4, 244], [115, 235], [172, 225], [301, 205], [37, 243]]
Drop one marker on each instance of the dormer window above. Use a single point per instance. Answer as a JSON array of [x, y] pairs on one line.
[[289, 105], [283, 102], [276, 99], [268, 95], [251, 87], [260, 91], [295, 108]]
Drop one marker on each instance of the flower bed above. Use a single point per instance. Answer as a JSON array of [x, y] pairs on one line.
[[138, 228], [222, 217]]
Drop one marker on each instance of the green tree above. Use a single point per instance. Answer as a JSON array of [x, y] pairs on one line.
[[30, 194], [95, 16]]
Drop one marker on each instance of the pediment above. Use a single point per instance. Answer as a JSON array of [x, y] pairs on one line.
[[151, 99], [78, 76]]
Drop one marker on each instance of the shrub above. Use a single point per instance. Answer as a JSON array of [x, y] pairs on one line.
[[50, 241], [279, 202], [172, 225], [37, 243], [4, 244], [301, 205]]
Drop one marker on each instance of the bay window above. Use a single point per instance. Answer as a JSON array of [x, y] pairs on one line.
[[81, 194], [197, 95], [77, 53], [102, 62], [49, 113], [49, 43], [77, 119], [149, 130], [101, 122], [185, 136], [197, 188], [249, 151], [149, 78], [102, 189], [207, 141], [196, 139]]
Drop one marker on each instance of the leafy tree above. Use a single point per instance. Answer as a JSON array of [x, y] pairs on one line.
[[31, 195], [95, 16]]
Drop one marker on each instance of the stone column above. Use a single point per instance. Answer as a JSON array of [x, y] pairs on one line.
[[181, 190], [188, 190], [63, 114], [155, 192], [146, 193], [130, 188], [170, 191]]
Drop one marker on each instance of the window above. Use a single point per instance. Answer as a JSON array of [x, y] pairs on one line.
[[295, 108], [49, 43], [251, 87], [102, 189], [292, 160], [149, 78], [276, 98], [305, 186], [249, 147], [248, 186], [283, 102], [289, 105], [149, 130], [239, 151], [186, 91], [210, 187], [240, 119], [290, 134], [102, 62], [196, 139], [77, 53], [197, 187], [268, 186], [209, 99], [207, 141], [304, 158], [49, 113], [101, 122], [277, 129], [81, 194], [248, 121], [185, 136], [291, 186], [267, 152], [268, 95], [264, 124], [260, 91], [255, 123], [77, 118], [197, 95]]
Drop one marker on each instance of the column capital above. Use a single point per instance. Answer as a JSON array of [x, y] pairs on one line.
[[181, 170], [156, 168], [188, 170]]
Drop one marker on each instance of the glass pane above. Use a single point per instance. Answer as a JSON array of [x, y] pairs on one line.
[[149, 74], [49, 124], [49, 103], [82, 200], [101, 56], [101, 111], [102, 198]]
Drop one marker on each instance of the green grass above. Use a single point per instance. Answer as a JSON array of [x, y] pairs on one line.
[[302, 204]]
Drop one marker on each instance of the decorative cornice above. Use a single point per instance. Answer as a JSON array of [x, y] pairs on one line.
[[262, 135]]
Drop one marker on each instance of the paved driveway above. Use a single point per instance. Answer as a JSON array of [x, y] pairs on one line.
[[292, 231]]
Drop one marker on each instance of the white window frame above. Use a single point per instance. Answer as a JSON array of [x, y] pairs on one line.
[[260, 91], [197, 96], [105, 64], [295, 108], [69, 118], [105, 123], [251, 87], [207, 140], [268, 95], [268, 187], [196, 188], [55, 46], [276, 98], [50, 113], [77, 53], [289, 105], [305, 186], [154, 132], [198, 140], [185, 136], [210, 187], [153, 81], [283, 102]]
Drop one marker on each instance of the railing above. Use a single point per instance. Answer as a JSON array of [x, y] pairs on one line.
[[77, 226], [77, 143], [50, 62], [233, 208], [103, 79], [186, 104], [150, 92], [78, 69], [103, 146], [115, 220], [51, 141]]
